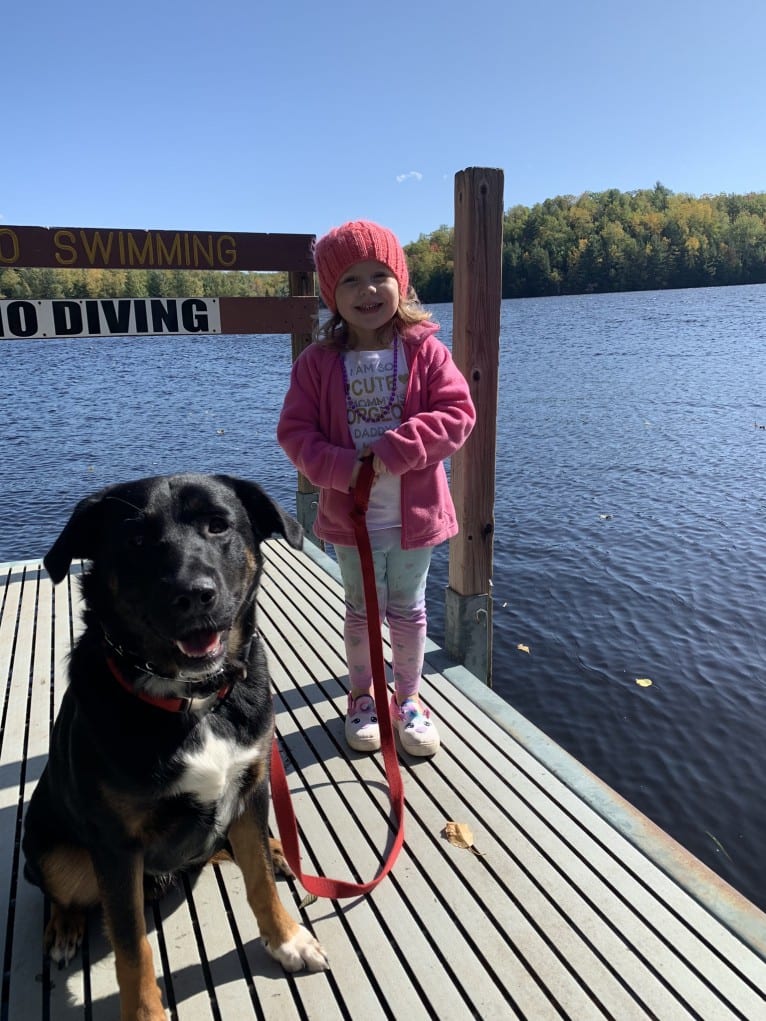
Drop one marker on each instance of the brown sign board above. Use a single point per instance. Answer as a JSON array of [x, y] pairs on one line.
[[27, 319], [108, 248]]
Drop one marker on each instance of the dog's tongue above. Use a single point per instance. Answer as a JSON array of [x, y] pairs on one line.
[[202, 643]]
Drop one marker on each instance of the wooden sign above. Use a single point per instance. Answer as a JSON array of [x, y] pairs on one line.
[[108, 248], [115, 317]]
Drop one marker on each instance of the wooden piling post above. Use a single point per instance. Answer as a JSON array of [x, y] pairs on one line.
[[476, 350]]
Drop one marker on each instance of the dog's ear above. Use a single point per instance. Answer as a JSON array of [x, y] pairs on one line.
[[77, 539], [266, 517]]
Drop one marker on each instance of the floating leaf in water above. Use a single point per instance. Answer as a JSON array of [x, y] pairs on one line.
[[719, 846], [459, 835], [523, 648], [644, 682]]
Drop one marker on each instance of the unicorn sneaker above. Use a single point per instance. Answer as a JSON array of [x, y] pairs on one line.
[[417, 731], [362, 730]]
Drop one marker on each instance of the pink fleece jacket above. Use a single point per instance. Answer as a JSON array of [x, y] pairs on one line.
[[437, 419]]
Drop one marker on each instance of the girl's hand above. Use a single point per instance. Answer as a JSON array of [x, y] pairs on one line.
[[378, 466]]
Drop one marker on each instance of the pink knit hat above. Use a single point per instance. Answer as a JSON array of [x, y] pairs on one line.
[[357, 241]]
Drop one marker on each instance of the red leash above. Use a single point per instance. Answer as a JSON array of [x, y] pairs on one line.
[[321, 886]]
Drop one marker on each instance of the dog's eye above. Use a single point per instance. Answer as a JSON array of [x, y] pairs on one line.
[[135, 534], [216, 526]]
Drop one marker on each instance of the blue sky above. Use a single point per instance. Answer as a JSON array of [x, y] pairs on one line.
[[251, 115]]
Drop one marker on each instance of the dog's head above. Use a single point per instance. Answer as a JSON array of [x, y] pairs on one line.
[[174, 565]]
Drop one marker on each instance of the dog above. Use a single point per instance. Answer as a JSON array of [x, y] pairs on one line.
[[159, 756]]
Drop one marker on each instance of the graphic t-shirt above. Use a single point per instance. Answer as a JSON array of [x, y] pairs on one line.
[[374, 404]]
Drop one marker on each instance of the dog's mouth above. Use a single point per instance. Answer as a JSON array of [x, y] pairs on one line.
[[207, 646]]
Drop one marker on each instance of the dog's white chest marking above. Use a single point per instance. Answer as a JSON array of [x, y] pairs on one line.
[[211, 773]]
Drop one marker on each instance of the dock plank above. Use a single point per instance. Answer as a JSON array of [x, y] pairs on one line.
[[575, 906]]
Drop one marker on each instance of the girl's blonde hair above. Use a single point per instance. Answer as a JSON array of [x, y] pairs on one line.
[[333, 332]]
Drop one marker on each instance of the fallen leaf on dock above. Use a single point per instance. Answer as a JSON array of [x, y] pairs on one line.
[[644, 682], [459, 835], [523, 648], [310, 898]]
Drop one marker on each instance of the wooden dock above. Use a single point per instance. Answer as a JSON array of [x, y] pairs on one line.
[[573, 906]]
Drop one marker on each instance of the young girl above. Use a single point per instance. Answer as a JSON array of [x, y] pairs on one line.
[[378, 381]]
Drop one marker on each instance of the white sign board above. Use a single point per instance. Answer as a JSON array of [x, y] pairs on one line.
[[108, 317]]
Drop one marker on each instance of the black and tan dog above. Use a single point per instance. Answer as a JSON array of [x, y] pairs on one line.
[[160, 752]]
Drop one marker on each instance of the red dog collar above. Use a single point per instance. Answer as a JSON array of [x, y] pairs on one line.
[[171, 705]]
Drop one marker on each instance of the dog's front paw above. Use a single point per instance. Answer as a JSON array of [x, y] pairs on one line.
[[299, 952], [63, 934]]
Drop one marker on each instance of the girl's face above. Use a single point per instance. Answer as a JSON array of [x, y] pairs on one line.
[[367, 297]]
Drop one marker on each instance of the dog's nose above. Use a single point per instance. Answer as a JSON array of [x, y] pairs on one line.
[[198, 594]]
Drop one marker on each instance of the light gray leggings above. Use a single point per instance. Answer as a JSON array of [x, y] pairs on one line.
[[400, 581]]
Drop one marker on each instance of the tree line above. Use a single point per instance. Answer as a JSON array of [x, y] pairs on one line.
[[613, 241], [138, 283], [649, 239]]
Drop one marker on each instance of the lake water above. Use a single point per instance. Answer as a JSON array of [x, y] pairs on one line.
[[630, 537]]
